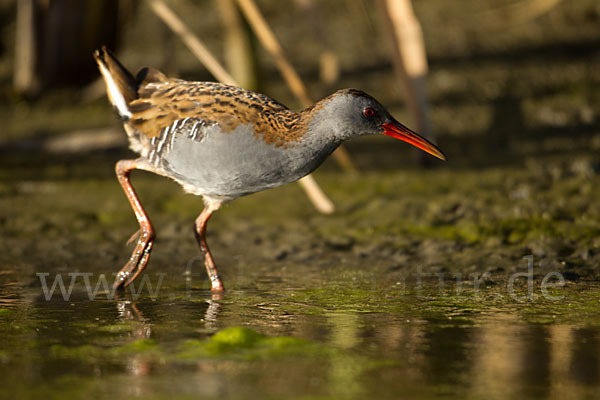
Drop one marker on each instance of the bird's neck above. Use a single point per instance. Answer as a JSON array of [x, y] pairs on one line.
[[321, 123], [315, 126], [317, 137]]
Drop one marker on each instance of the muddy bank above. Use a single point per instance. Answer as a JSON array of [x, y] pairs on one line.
[[403, 222]]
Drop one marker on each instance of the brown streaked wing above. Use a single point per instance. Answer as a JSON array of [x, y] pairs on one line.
[[162, 102]]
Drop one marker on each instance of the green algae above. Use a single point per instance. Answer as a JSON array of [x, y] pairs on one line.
[[90, 353], [246, 344], [232, 343], [86, 353], [117, 328]]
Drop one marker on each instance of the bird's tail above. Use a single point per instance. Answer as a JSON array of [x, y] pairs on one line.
[[121, 86]]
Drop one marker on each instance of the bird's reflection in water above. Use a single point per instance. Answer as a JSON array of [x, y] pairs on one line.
[[129, 311], [210, 316], [136, 365], [139, 365]]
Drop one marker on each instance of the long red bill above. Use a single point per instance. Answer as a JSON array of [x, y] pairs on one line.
[[397, 130]]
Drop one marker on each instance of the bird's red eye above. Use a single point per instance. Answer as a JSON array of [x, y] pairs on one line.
[[369, 112]]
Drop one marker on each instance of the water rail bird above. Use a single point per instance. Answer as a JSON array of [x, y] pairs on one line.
[[222, 142]]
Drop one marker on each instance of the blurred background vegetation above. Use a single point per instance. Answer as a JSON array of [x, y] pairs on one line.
[[507, 78]]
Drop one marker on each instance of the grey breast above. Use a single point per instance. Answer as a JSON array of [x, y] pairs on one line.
[[230, 164]]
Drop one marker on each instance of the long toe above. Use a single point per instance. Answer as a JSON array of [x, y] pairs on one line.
[[137, 262]]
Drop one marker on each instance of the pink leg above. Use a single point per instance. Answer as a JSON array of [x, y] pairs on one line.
[[146, 234], [200, 231]]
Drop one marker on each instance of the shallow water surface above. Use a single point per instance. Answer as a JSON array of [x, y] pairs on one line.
[[349, 338]]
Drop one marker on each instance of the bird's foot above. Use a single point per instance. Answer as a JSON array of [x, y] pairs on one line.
[[216, 285], [138, 260]]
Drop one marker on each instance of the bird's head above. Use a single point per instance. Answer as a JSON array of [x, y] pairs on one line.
[[350, 113]]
